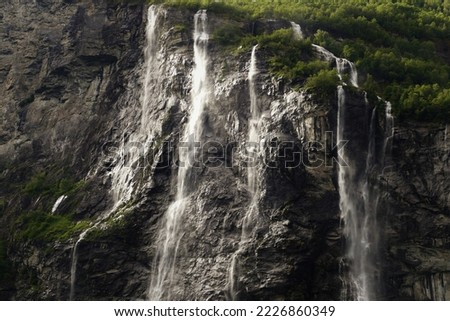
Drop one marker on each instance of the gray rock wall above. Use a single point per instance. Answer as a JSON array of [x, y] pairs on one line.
[[71, 77]]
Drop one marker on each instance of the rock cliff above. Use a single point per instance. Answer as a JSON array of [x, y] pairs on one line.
[[72, 77]]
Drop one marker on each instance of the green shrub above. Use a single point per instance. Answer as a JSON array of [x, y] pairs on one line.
[[180, 27], [43, 184], [45, 227], [228, 34], [401, 44], [323, 84], [425, 102], [287, 56]]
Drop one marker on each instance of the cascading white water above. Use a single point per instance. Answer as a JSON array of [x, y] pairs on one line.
[[132, 150], [361, 228], [250, 219], [169, 238], [73, 267], [343, 65], [136, 146], [389, 131], [254, 124], [351, 216], [328, 55], [145, 134], [359, 200], [297, 30], [58, 202], [357, 218]]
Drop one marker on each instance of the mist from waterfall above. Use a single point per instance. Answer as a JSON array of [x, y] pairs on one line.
[[129, 161], [168, 241], [250, 219]]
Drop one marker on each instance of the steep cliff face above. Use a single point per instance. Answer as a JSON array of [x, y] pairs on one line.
[[64, 68], [87, 91], [416, 187]]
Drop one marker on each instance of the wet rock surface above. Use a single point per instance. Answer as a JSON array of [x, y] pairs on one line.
[[417, 214], [71, 77]]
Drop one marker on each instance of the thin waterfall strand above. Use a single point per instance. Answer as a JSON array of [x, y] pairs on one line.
[[170, 235], [73, 267], [389, 132], [359, 200], [58, 202], [123, 173], [343, 65], [364, 246], [298, 33], [254, 125], [137, 145], [348, 197], [250, 219]]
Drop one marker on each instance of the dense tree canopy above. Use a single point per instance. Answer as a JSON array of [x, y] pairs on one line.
[[401, 47]]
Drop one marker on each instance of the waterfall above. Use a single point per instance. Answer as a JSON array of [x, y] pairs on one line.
[[359, 196], [343, 65], [73, 266], [169, 238], [363, 235], [250, 219], [254, 124], [151, 74], [356, 211], [359, 201], [351, 215], [389, 132], [297, 30], [327, 55], [135, 148], [58, 202]]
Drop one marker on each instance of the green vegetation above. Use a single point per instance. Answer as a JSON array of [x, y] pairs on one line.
[[401, 46], [323, 83], [43, 184], [284, 51], [45, 227], [116, 226], [228, 34], [180, 27], [39, 224]]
